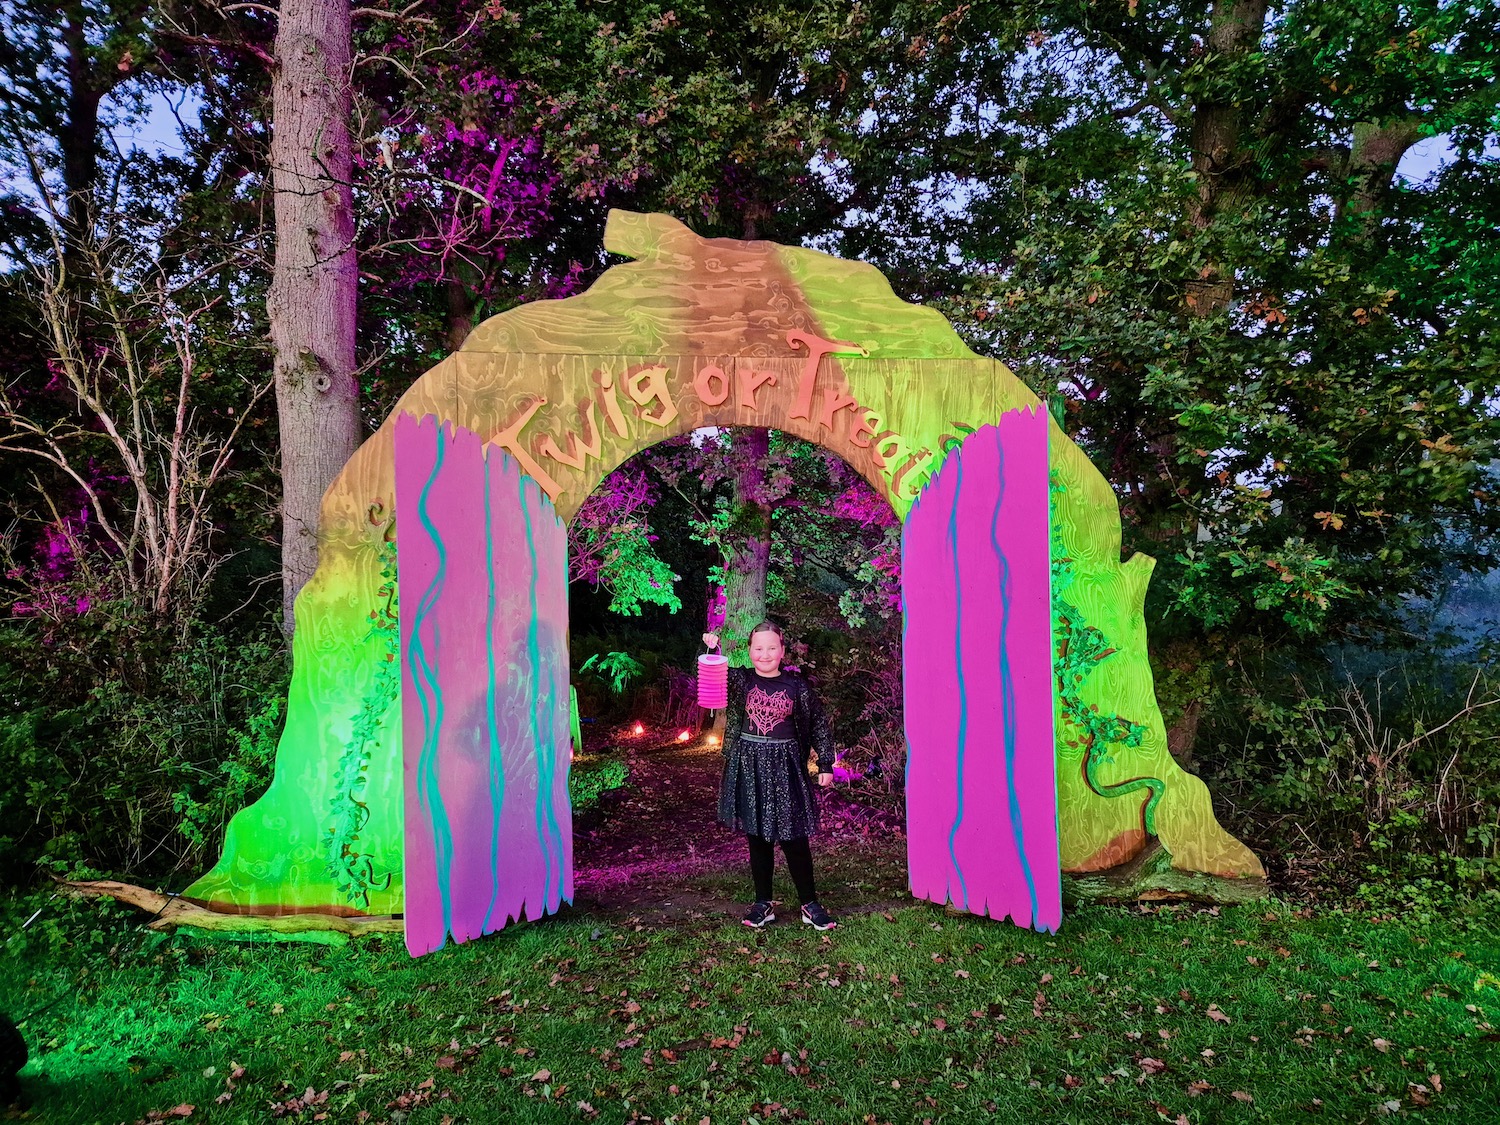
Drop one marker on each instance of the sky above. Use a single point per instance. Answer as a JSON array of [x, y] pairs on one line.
[[159, 132]]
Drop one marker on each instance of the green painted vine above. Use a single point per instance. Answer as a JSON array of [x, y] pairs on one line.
[[1079, 648], [353, 871]]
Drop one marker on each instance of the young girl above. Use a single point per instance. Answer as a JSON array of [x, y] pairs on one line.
[[773, 722]]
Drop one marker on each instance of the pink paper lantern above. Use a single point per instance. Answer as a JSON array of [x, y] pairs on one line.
[[713, 681]]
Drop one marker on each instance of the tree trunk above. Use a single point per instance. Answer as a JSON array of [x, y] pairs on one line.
[[78, 142], [1219, 160], [1376, 151], [314, 287], [750, 553], [460, 313]]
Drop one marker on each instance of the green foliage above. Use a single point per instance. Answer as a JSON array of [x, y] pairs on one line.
[[1390, 768], [132, 777], [246, 772], [611, 545], [1292, 582], [1277, 351], [587, 782], [617, 669], [636, 575]]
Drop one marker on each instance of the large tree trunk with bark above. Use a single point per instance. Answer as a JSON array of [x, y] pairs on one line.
[[1219, 159], [314, 287]]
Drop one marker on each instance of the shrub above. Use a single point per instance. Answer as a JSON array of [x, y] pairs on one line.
[[132, 773], [1395, 765]]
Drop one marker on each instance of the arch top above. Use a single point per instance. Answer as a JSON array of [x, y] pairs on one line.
[[632, 234], [718, 332]]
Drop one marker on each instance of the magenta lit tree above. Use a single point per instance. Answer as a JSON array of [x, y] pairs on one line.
[[611, 544], [453, 176]]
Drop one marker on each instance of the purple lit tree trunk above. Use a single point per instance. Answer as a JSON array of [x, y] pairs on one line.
[[314, 285]]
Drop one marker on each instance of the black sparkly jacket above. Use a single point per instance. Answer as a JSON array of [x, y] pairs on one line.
[[813, 732]]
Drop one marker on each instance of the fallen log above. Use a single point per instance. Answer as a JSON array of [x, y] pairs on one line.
[[170, 911]]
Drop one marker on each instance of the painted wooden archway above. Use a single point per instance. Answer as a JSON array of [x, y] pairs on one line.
[[544, 400]]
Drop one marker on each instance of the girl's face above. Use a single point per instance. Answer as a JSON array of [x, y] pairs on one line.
[[765, 653]]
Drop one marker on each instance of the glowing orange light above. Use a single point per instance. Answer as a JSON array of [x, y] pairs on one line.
[[639, 729], [684, 736], [713, 740]]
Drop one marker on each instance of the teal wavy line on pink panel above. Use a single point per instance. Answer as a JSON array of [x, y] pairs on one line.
[[981, 777], [960, 687], [1009, 709], [496, 631], [491, 714], [544, 618]]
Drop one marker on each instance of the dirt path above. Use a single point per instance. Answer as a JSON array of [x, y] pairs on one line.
[[654, 851]]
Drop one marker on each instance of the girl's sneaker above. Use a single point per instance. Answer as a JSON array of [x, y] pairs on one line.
[[816, 917], [760, 913]]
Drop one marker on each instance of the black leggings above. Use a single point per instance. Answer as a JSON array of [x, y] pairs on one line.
[[798, 862]]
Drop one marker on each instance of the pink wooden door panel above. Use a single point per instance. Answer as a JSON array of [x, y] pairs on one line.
[[981, 789], [482, 569]]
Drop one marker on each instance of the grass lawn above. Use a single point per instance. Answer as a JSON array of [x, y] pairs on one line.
[[903, 1014]]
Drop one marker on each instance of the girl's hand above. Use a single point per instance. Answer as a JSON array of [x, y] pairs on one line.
[[825, 779], [711, 640]]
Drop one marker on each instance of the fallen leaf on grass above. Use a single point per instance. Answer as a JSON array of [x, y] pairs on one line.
[[1381, 1045], [542, 1076], [1072, 1083], [1216, 1015], [1241, 1096], [1197, 1088], [294, 1106], [183, 1110]]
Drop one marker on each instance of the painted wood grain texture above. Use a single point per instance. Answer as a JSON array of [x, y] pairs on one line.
[[687, 304], [981, 788], [483, 574]]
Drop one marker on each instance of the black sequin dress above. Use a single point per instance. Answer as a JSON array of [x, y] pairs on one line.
[[766, 790]]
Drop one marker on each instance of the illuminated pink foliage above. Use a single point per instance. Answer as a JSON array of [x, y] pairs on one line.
[[459, 185], [614, 509]]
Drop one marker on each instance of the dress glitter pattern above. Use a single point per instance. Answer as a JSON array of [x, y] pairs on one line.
[[766, 790]]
